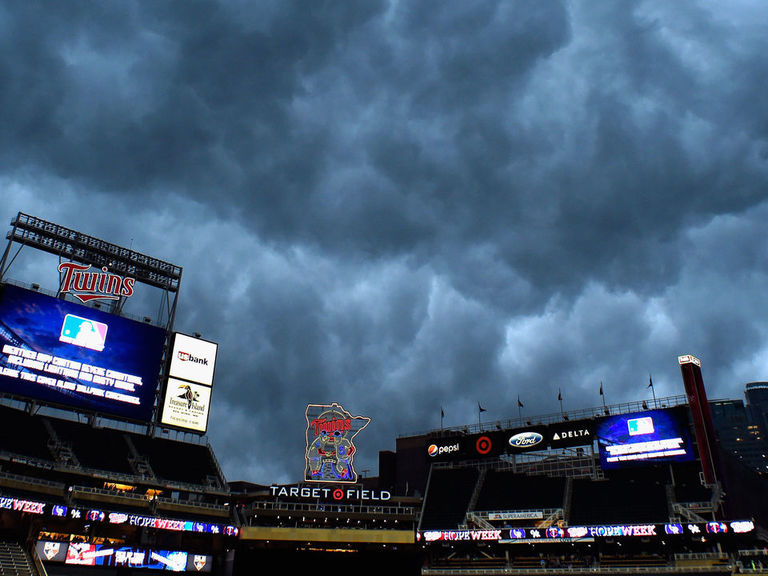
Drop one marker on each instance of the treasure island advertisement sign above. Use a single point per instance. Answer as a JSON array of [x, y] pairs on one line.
[[330, 451]]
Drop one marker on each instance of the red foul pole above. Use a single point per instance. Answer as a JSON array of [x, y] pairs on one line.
[[690, 366]]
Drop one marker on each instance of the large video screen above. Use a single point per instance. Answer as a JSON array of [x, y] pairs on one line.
[[643, 438], [67, 354]]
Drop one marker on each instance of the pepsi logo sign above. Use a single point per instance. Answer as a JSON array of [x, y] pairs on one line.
[[435, 450], [525, 439]]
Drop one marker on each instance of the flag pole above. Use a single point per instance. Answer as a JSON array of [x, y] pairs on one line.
[[602, 393], [480, 410]]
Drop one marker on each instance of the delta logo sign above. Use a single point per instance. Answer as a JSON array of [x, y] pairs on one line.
[[86, 286], [330, 450]]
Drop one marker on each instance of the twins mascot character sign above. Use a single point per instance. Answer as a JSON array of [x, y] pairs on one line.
[[330, 450]]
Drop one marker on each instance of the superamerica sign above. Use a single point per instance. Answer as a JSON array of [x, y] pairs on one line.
[[330, 450]]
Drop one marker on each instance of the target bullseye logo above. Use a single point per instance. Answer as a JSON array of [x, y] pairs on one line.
[[338, 494], [483, 445]]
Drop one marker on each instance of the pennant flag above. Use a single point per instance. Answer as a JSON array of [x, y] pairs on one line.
[[601, 388], [480, 408], [650, 381], [559, 395], [520, 404], [442, 414]]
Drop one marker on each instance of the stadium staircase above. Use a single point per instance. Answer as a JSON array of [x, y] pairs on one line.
[[138, 462], [61, 451], [470, 517], [14, 561], [567, 497]]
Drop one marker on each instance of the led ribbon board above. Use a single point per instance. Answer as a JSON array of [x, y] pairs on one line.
[[330, 450], [86, 554], [65, 353]]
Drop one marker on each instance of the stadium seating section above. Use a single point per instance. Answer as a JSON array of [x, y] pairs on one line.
[[77, 447]]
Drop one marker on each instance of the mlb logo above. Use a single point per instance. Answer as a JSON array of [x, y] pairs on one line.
[[83, 332], [639, 426]]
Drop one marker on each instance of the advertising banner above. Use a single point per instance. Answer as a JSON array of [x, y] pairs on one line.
[[193, 359], [186, 405], [516, 441], [107, 555], [188, 388]]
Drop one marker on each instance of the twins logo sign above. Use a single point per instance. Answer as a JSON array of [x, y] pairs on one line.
[[330, 450]]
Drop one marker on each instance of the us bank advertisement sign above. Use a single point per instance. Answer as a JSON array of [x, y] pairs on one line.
[[188, 390], [193, 359], [330, 449]]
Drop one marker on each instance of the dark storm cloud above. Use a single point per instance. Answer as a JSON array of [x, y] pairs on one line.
[[403, 206]]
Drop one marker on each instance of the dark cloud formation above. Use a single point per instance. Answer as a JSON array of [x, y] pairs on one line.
[[403, 206]]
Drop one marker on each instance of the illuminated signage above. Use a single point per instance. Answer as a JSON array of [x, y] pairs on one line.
[[186, 405], [653, 436], [108, 555], [122, 518], [187, 400], [688, 359], [27, 506], [193, 359], [587, 533], [522, 515], [438, 450], [78, 280], [335, 494], [461, 535], [330, 450], [64, 353], [525, 440], [495, 443], [576, 434]]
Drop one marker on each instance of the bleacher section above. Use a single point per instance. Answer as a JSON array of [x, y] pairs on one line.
[[110, 453], [447, 498], [505, 490], [44, 449], [24, 435], [618, 500], [630, 497], [177, 461]]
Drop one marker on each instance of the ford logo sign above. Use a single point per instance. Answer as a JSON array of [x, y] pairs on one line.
[[525, 439]]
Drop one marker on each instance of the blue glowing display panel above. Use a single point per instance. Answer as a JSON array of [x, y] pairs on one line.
[[63, 353], [643, 438], [85, 554]]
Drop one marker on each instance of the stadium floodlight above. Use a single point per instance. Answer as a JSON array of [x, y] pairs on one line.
[[73, 245]]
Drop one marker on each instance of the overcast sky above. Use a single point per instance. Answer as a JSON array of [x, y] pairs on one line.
[[408, 205]]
